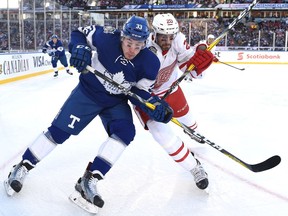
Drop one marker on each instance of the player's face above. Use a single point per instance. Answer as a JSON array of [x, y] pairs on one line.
[[165, 41], [131, 47], [54, 40], [210, 40]]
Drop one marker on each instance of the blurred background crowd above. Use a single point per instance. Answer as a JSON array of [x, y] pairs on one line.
[[30, 25]]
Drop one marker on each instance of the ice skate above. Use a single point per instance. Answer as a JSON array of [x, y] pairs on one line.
[[200, 176], [86, 195], [56, 74], [69, 72], [16, 177]]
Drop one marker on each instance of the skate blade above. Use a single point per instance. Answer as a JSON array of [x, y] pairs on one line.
[[77, 199], [8, 188]]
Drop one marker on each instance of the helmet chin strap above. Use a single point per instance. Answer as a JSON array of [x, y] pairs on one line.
[[154, 38]]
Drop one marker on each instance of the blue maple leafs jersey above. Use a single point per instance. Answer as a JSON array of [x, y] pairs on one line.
[[57, 48], [138, 74]]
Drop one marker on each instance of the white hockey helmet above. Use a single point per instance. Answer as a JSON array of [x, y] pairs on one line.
[[165, 24]]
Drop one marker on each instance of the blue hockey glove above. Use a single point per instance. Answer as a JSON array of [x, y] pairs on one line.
[[162, 112], [80, 56], [44, 50]]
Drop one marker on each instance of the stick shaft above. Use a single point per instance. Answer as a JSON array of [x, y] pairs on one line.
[[231, 66]]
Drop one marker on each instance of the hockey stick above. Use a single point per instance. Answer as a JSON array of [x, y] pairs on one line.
[[265, 165], [231, 66], [259, 167], [214, 43]]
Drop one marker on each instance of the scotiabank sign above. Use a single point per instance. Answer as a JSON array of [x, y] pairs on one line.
[[243, 56], [257, 57]]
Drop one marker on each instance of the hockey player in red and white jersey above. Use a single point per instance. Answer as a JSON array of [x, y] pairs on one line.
[[210, 39], [174, 52]]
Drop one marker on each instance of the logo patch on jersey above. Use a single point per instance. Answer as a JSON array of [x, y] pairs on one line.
[[123, 61], [164, 74], [153, 49]]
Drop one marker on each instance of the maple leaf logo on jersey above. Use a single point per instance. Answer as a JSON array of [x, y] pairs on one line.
[[120, 79]]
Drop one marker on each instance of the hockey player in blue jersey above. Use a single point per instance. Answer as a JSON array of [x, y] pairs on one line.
[[55, 49], [121, 56]]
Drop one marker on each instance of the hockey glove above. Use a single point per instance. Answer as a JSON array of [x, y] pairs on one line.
[[44, 50], [80, 57], [162, 112], [202, 59]]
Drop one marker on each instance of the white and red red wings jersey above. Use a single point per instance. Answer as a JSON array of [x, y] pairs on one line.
[[179, 53]]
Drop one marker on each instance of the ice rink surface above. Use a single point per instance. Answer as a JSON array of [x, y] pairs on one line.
[[245, 112]]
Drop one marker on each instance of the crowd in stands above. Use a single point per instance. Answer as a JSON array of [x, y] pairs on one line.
[[28, 34], [120, 3], [29, 4], [263, 33], [245, 34], [249, 33], [76, 3]]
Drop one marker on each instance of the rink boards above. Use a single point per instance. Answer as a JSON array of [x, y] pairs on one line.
[[17, 66]]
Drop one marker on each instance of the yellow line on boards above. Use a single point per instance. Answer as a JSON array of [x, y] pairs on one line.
[[257, 63], [13, 79]]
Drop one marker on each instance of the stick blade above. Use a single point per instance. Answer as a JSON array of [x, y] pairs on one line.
[[267, 164]]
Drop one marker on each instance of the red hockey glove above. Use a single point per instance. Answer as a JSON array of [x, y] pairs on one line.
[[202, 59]]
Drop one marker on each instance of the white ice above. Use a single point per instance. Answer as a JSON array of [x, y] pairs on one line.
[[245, 112]]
